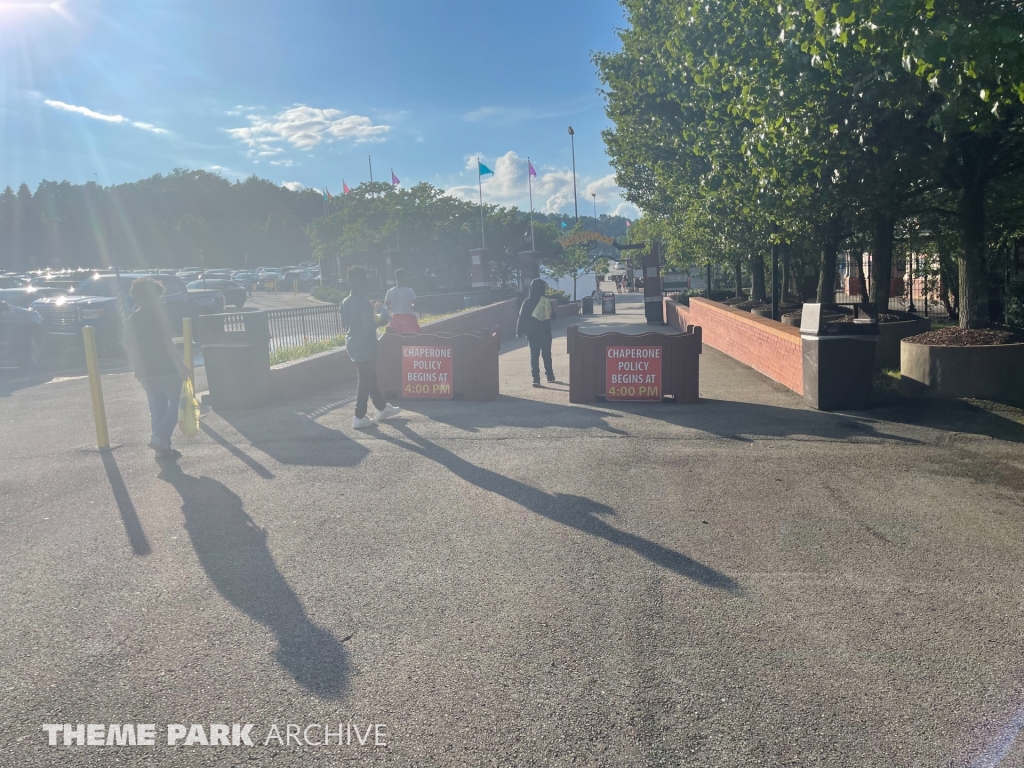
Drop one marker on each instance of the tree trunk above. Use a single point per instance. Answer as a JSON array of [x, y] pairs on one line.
[[738, 268], [974, 297], [827, 274], [757, 291], [882, 235], [785, 280]]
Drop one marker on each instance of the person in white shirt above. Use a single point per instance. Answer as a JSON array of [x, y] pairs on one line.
[[401, 303]]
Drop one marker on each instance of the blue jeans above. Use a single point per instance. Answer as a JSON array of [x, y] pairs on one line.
[[163, 393]]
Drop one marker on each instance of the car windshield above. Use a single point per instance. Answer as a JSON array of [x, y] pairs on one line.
[[103, 285], [196, 285]]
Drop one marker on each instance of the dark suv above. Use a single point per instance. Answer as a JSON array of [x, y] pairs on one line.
[[98, 302]]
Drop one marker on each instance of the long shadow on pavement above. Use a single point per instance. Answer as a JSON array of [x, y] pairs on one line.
[[233, 551], [509, 411], [293, 438], [576, 512], [129, 517]]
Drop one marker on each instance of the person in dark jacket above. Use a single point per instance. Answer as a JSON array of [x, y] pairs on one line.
[[158, 366], [360, 323], [535, 324]]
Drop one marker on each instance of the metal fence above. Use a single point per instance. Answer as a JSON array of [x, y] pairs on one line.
[[917, 291], [300, 325]]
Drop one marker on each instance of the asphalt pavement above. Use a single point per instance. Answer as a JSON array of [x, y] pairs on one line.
[[518, 583]]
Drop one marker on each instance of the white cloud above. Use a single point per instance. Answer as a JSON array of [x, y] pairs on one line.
[[86, 112], [294, 186], [552, 188], [304, 128]]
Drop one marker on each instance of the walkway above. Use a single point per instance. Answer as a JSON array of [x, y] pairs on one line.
[[522, 583]]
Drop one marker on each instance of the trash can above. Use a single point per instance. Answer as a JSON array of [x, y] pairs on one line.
[[588, 305], [236, 350], [607, 303], [838, 360]]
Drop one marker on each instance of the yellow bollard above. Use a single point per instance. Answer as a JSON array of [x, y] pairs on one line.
[[99, 413], [186, 333]]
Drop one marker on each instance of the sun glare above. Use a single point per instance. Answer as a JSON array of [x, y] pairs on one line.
[[33, 6]]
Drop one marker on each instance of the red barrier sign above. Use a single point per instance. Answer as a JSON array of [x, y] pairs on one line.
[[633, 373], [427, 372]]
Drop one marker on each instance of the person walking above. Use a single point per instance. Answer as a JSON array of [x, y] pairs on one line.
[[158, 366], [401, 302], [360, 322], [535, 324]]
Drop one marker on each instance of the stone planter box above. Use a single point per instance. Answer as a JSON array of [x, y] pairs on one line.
[[990, 372], [891, 335]]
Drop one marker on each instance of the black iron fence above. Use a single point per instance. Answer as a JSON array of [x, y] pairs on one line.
[[917, 290], [300, 325]]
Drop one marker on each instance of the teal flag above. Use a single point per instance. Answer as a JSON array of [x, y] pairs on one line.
[[484, 170]]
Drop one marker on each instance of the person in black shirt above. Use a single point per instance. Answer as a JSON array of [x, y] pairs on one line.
[[158, 366], [535, 324]]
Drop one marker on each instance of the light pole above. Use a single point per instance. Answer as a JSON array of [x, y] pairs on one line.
[[594, 195], [575, 204]]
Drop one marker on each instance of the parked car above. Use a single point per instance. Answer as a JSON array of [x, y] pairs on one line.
[[103, 304], [188, 275], [234, 293], [23, 297], [13, 281], [269, 278], [21, 336]]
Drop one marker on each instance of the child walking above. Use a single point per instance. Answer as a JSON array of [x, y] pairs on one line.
[[360, 323], [535, 324]]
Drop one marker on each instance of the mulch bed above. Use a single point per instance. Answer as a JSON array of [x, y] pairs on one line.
[[749, 305], [960, 337]]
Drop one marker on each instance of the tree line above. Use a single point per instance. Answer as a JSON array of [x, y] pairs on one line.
[[196, 218], [894, 127]]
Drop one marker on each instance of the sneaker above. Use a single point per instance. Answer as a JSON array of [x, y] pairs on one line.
[[551, 379], [167, 453], [537, 384], [362, 423], [390, 411]]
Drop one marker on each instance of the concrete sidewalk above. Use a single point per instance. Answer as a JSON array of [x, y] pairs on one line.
[[520, 583]]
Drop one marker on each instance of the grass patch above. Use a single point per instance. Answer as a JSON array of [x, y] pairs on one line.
[[310, 348], [328, 294]]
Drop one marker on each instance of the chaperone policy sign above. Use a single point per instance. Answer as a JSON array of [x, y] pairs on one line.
[[633, 373], [427, 372]]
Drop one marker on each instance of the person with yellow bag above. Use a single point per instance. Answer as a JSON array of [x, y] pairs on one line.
[[535, 324], [158, 366]]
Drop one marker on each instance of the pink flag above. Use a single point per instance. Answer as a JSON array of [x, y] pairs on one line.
[[394, 180], [345, 188], [629, 223], [532, 171]]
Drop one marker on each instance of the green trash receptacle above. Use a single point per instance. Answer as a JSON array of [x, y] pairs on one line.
[[236, 352]]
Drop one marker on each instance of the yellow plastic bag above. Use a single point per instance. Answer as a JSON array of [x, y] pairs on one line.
[[543, 309], [188, 411]]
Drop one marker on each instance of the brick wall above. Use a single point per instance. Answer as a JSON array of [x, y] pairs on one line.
[[767, 346], [299, 378]]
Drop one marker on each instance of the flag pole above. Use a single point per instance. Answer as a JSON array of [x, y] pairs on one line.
[[370, 161], [480, 184], [529, 180]]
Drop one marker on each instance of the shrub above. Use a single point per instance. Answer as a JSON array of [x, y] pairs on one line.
[[559, 297], [331, 295], [310, 348], [1014, 307]]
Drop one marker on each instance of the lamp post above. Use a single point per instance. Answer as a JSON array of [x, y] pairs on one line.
[[594, 195], [575, 204]]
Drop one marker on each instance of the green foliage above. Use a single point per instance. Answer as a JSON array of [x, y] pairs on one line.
[[299, 351], [816, 125], [328, 294], [559, 297]]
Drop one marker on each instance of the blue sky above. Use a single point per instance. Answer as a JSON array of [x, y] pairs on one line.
[[302, 92]]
